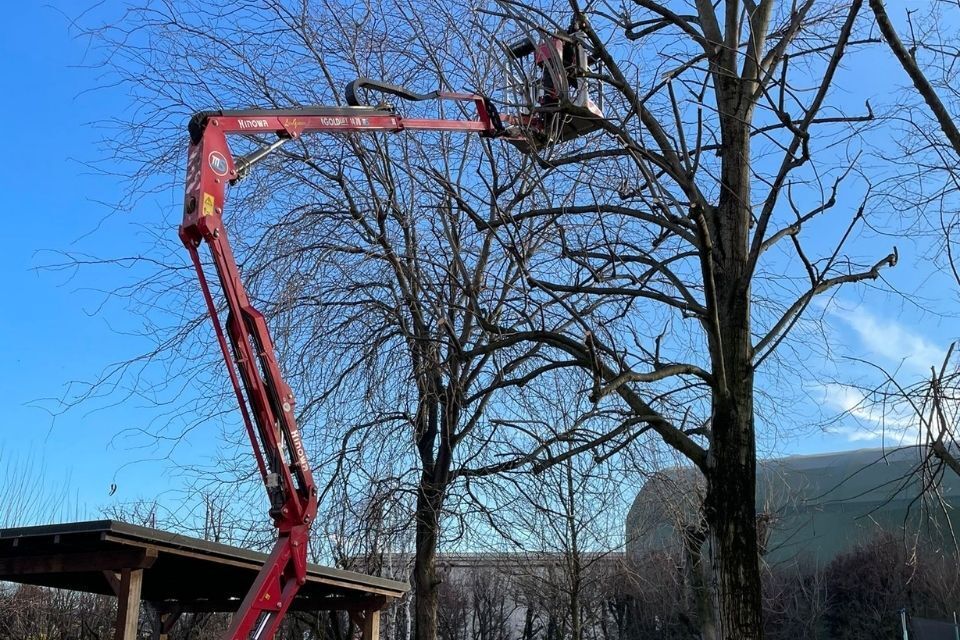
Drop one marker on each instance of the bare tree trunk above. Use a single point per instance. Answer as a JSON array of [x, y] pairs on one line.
[[730, 507], [426, 581], [437, 418], [697, 577], [576, 580], [730, 512]]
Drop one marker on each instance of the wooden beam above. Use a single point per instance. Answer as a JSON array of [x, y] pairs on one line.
[[371, 625], [219, 556], [167, 621], [354, 586], [113, 578], [164, 619], [368, 622], [128, 604], [357, 604], [142, 558]]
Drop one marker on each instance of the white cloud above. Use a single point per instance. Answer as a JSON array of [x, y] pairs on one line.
[[876, 419], [899, 348], [887, 341], [894, 421]]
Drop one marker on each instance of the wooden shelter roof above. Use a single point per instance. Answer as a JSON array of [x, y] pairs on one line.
[[193, 574]]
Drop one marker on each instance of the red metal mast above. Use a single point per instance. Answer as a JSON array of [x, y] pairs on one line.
[[266, 401]]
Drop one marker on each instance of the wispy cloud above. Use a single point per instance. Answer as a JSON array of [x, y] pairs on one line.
[[892, 422], [887, 341], [891, 345]]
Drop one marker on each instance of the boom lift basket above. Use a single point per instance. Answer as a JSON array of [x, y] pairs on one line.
[[560, 95]]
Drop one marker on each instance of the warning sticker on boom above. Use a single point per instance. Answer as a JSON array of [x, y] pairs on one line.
[[208, 204]]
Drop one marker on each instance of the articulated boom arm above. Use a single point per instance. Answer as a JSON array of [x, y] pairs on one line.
[[266, 401]]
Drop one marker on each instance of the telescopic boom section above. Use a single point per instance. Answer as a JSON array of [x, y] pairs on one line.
[[266, 401]]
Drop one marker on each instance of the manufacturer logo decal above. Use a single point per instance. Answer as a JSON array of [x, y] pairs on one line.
[[292, 124], [298, 448], [342, 121], [218, 163], [257, 123]]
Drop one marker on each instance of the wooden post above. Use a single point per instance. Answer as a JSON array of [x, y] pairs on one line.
[[371, 625], [368, 621], [128, 604], [163, 619]]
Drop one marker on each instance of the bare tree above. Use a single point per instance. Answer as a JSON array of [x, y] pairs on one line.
[[25, 501], [938, 55], [928, 55], [568, 518], [686, 219], [661, 261], [365, 257], [28, 611], [795, 601]]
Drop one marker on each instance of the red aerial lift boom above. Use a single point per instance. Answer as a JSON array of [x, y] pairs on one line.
[[266, 401]]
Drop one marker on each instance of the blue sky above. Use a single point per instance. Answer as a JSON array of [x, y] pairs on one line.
[[49, 338], [52, 334]]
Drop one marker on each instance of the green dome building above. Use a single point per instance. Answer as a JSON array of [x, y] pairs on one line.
[[813, 507]]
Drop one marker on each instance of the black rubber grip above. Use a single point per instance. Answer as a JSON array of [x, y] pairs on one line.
[[522, 47], [353, 99]]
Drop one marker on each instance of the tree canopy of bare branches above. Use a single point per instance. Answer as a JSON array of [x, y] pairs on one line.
[[683, 258], [425, 290]]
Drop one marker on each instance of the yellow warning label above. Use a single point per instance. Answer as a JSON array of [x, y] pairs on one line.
[[207, 204]]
